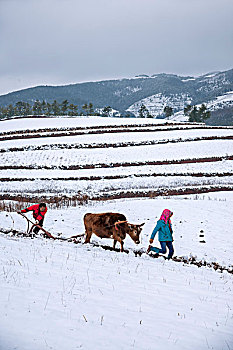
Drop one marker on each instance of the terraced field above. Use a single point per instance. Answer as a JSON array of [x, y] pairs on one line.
[[80, 159], [84, 291]]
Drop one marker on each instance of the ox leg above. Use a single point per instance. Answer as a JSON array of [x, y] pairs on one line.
[[118, 239], [121, 243], [88, 236]]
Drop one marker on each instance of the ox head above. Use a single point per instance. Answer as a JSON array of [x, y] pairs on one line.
[[134, 232]]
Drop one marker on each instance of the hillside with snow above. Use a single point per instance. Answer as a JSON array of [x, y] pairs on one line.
[[63, 294], [125, 96]]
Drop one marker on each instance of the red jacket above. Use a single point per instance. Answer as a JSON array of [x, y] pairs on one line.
[[37, 214]]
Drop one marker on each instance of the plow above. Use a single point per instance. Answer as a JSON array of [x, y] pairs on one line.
[[46, 233], [137, 252]]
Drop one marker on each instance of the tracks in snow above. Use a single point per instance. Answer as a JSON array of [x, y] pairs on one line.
[[137, 253]]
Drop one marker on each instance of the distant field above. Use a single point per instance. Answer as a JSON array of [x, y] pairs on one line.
[[104, 158]]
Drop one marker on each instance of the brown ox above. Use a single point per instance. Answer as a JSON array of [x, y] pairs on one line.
[[111, 225]]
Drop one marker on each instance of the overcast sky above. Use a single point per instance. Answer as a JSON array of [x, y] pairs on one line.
[[54, 42]]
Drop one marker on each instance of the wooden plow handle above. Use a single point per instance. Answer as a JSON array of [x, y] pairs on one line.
[[41, 228]]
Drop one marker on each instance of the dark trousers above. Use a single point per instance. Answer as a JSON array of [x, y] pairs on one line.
[[164, 245], [36, 229]]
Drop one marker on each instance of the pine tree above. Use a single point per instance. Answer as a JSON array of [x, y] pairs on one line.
[[56, 108], [204, 114], [144, 112], [10, 111], [37, 108], [64, 107], [168, 111], [3, 112], [19, 108], [73, 110], [85, 108], [198, 115], [43, 107], [91, 109], [48, 109], [106, 111], [187, 110], [26, 109]]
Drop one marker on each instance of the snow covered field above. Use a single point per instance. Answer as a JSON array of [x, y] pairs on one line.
[[67, 157], [58, 295], [113, 186], [217, 167], [117, 138], [64, 122], [112, 160]]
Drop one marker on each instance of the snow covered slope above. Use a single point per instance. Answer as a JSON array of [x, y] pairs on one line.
[[155, 91], [156, 103], [60, 295], [220, 102], [108, 157]]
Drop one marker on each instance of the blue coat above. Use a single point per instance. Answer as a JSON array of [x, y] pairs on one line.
[[164, 231]]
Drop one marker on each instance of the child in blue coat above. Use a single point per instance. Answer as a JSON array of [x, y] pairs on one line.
[[164, 228]]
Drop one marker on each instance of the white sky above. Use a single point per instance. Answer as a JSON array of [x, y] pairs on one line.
[[56, 42]]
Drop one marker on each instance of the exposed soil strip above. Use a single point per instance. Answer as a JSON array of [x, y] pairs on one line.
[[162, 192], [93, 132], [84, 131], [111, 145], [116, 165], [97, 127], [190, 261], [80, 199], [178, 259], [113, 177]]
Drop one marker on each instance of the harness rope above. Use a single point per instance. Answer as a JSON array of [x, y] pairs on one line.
[[118, 223]]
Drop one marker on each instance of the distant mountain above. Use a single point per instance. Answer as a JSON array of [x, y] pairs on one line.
[[155, 92]]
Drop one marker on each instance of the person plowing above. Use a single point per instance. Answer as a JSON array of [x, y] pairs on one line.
[[39, 211]]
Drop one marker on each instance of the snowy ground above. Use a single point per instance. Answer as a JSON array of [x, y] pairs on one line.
[[58, 157], [102, 186], [192, 168], [117, 138], [64, 122], [58, 295]]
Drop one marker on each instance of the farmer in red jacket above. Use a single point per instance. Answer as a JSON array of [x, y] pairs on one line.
[[39, 211]]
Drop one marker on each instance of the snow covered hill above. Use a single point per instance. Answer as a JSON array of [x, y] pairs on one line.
[[155, 92], [62, 295], [221, 102], [156, 103]]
